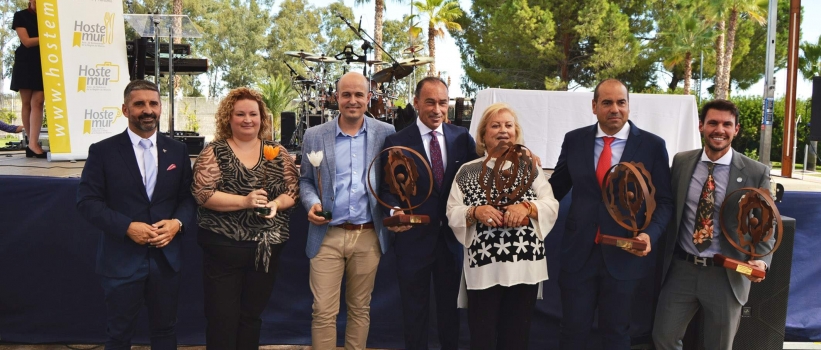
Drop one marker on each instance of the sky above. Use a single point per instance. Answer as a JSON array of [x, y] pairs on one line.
[[449, 60]]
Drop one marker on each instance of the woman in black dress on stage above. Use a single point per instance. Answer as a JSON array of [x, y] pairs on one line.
[[27, 76]]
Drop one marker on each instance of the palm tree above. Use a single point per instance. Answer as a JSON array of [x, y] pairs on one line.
[[725, 40], [277, 94], [687, 33], [442, 15], [810, 61], [755, 10], [379, 9]]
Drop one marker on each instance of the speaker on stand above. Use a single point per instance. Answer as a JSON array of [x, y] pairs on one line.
[[764, 317], [287, 127]]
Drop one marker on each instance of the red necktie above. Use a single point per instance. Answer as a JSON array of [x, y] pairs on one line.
[[438, 166], [602, 167]]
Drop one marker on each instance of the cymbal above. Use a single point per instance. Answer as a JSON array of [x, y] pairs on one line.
[[415, 61], [300, 54], [389, 73], [414, 49], [375, 62], [322, 59]]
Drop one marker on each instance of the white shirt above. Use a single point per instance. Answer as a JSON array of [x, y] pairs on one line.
[[616, 147], [138, 150], [424, 130]]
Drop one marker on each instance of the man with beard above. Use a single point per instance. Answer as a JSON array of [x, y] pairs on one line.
[[690, 279], [136, 188]]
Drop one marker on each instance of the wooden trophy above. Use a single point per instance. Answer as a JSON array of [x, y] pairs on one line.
[[758, 222], [401, 177], [625, 189], [512, 175]]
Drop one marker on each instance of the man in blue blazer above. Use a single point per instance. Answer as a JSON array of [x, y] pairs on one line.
[[430, 250], [136, 188], [354, 239], [602, 276]]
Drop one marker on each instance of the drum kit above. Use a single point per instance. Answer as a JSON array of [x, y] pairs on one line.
[[318, 102]]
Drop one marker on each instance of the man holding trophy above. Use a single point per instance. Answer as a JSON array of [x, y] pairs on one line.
[[595, 275], [345, 234], [691, 278]]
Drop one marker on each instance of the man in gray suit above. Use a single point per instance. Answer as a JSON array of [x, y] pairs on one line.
[[690, 279], [353, 240]]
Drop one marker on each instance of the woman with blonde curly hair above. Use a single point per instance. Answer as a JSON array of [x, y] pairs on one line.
[[237, 177]]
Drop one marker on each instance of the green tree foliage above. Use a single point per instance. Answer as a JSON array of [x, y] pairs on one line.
[[277, 94], [748, 139], [810, 61], [555, 44], [442, 15], [683, 36], [8, 36]]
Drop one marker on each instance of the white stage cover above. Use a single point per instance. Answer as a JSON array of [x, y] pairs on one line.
[[546, 116]]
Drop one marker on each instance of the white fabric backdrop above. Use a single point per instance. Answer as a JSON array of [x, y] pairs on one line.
[[546, 116]]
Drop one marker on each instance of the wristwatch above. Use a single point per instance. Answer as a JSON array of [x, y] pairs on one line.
[[179, 222]]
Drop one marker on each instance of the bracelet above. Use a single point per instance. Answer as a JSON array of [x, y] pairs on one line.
[[276, 202], [469, 219], [527, 206]]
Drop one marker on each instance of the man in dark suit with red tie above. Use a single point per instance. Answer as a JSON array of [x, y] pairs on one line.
[[603, 276], [430, 250], [136, 188]]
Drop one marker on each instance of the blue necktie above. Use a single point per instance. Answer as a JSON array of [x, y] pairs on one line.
[[149, 166]]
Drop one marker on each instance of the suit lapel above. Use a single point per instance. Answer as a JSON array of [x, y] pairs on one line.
[[370, 153], [588, 150], [737, 175], [130, 160], [633, 142], [417, 144], [163, 162], [685, 174], [329, 144]]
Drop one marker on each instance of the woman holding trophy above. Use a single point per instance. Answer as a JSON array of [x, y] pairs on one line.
[[245, 185], [500, 208]]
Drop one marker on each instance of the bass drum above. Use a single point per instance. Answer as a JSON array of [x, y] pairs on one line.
[[379, 109]]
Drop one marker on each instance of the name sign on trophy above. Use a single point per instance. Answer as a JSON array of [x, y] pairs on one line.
[[401, 177], [512, 175], [627, 188], [758, 228]]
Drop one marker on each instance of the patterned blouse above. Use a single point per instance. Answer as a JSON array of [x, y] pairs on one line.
[[219, 169], [504, 256]]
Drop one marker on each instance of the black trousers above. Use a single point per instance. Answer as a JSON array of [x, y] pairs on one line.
[[236, 293], [499, 317]]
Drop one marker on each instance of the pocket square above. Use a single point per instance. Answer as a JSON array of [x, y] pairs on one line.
[[171, 167]]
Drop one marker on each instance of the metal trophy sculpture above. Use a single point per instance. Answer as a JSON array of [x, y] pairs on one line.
[[758, 220], [401, 177], [625, 189], [512, 175]]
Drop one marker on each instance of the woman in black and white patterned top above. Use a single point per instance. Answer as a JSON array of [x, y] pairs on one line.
[[232, 177], [504, 263]]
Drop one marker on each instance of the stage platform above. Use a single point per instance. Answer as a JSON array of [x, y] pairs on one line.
[[50, 293]]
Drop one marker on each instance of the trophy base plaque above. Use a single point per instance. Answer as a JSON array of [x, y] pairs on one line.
[[739, 266], [406, 219], [624, 242]]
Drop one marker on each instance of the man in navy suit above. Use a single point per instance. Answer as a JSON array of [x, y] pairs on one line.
[[602, 276], [136, 188], [430, 250]]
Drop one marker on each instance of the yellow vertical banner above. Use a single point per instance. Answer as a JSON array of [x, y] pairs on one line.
[[54, 86]]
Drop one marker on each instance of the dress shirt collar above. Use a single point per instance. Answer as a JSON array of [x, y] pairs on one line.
[[135, 139], [621, 135], [362, 130], [424, 129], [724, 160]]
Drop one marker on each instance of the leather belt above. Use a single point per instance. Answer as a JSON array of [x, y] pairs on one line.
[[695, 260], [351, 227]]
